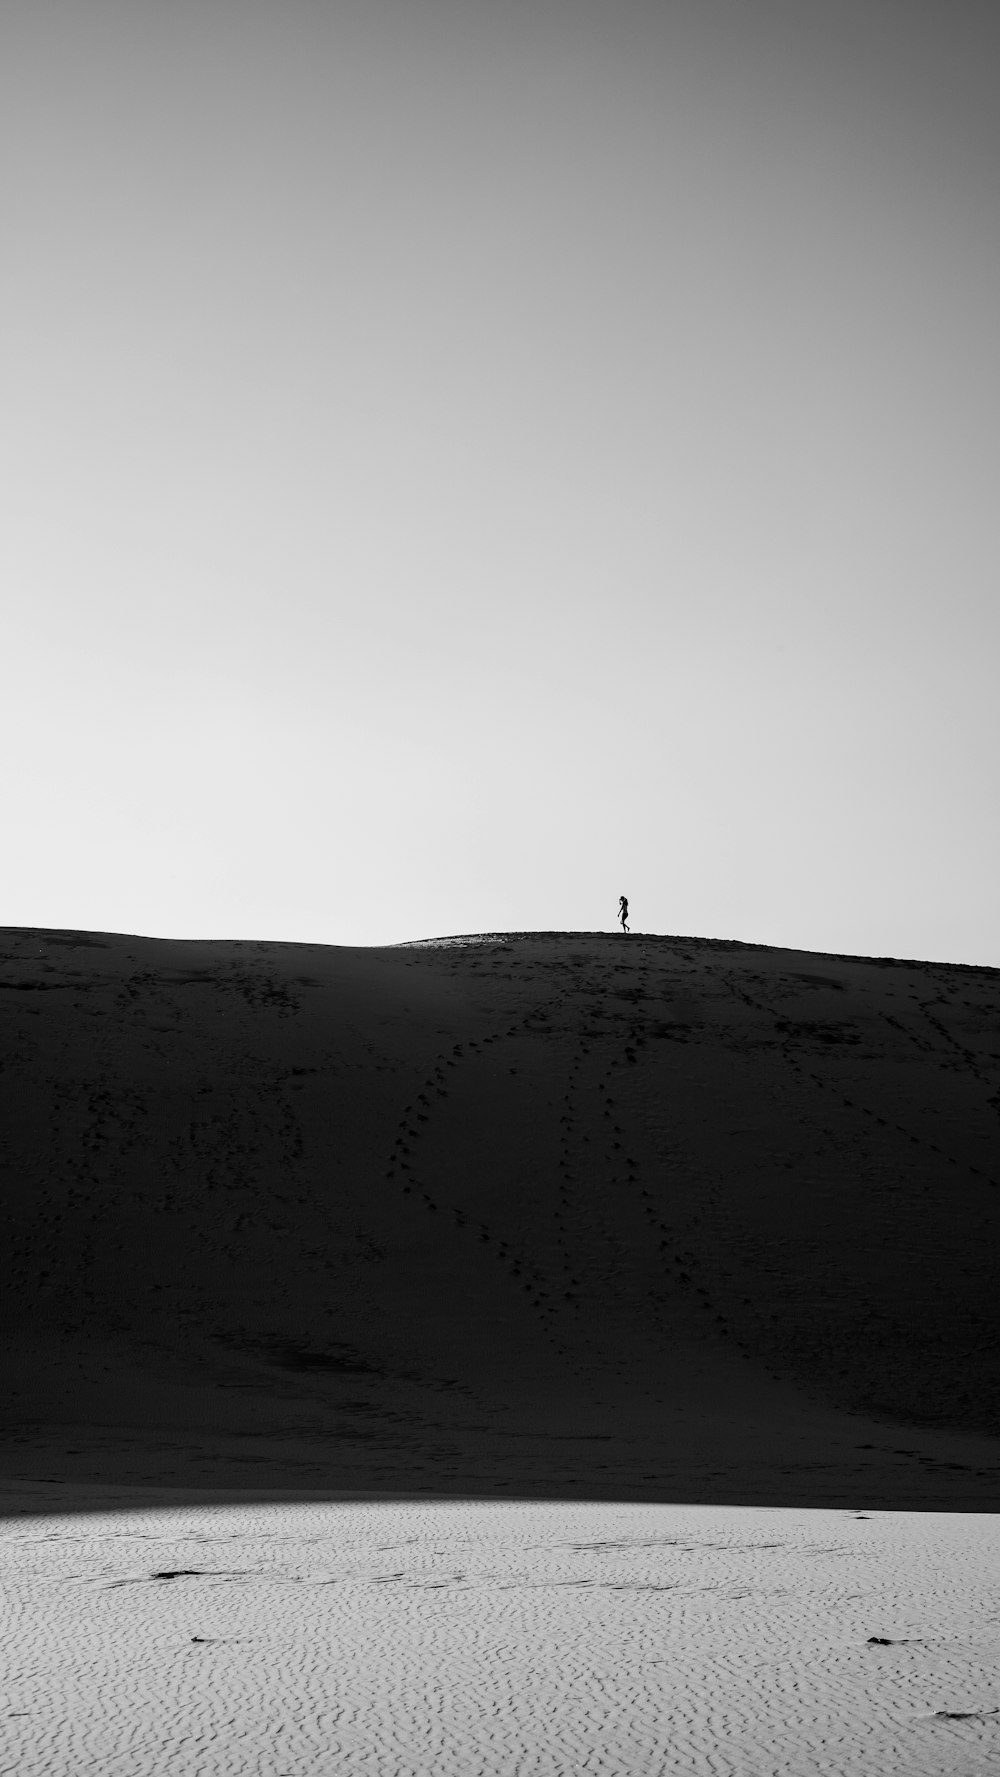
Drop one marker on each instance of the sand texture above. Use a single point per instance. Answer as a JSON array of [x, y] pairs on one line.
[[553, 1215], [481, 1639]]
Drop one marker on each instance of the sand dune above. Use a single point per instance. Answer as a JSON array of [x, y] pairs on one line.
[[480, 1639], [564, 1215]]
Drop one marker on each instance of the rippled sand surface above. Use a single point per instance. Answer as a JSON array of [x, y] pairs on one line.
[[485, 1639]]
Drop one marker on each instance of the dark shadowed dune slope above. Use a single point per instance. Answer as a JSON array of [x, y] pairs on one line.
[[544, 1213]]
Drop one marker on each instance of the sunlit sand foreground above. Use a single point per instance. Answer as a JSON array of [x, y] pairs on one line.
[[419, 1639]]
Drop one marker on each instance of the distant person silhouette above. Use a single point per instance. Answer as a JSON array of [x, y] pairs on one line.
[[623, 913]]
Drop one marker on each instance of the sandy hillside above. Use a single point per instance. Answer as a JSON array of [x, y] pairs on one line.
[[565, 1214]]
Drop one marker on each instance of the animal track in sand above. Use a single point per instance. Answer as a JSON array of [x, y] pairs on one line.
[[831, 1086], [529, 1279], [565, 1279]]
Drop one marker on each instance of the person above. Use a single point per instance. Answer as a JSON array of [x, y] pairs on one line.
[[623, 913]]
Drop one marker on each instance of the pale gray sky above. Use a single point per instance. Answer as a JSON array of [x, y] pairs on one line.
[[462, 460]]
